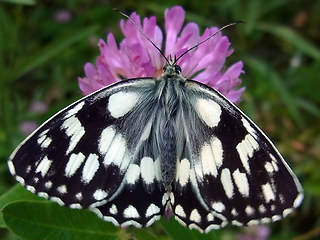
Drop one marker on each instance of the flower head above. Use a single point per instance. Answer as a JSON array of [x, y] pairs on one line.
[[137, 57]]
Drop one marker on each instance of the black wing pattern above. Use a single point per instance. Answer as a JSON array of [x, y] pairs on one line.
[[133, 150], [230, 172], [95, 154]]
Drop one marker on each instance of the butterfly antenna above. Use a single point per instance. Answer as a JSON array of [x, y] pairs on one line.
[[136, 25], [220, 30]]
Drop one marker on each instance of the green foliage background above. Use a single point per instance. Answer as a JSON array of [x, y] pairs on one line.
[[40, 60]]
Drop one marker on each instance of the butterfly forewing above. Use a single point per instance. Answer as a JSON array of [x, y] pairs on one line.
[[135, 149], [81, 155]]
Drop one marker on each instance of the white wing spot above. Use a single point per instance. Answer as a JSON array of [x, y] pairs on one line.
[[217, 151], [131, 212], [20, 180], [183, 171], [236, 223], [74, 110], [209, 111], [218, 206], [241, 182], [249, 210], [194, 226], [133, 173], [48, 184], [265, 220], [43, 133], [227, 182], [43, 194], [105, 139], [276, 218], [74, 130], [75, 206], [100, 194], [79, 196], [31, 189], [116, 151], [90, 168], [113, 209], [246, 149], [57, 200], [281, 197], [287, 211], [179, 211], [234, 212], [62, 189], [275, 166], [41, 138], [249, 128], [75, 161], [214, 227], [165, 199], [171, 196], [267, 192], [262, 209], [273, 158], [298, 200], [152, 210], [44, 141], [253, 222], [121, 103], [105, 218], [212, 157], [44, 166], [207, 160], [195, 216], [210, 217], [147, 170], [11, 167], [269, 167]]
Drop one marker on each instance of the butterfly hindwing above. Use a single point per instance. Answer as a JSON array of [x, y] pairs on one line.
[[236, 173]]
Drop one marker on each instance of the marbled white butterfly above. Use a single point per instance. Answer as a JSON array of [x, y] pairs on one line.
[[141, 147]]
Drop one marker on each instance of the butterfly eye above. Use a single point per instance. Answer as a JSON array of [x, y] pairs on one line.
[[178, 69]]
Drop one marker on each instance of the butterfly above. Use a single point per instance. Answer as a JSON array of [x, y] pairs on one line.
[[140, 148]]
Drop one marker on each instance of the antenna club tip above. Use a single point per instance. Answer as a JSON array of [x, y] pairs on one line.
[[239, 21]]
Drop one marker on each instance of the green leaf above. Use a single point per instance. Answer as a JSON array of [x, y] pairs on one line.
[[309, 107], [294, 38], [15, 194], [266, 75], [62, 42], [22, 2], [47, 220]]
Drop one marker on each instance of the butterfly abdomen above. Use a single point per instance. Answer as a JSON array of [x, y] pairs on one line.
[[166, 130]]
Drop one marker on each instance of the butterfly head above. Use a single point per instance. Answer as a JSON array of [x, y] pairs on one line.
[[169, 69]]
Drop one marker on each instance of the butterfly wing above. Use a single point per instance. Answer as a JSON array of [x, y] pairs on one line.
[[229, 171], [94, 154], [102, 153]]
